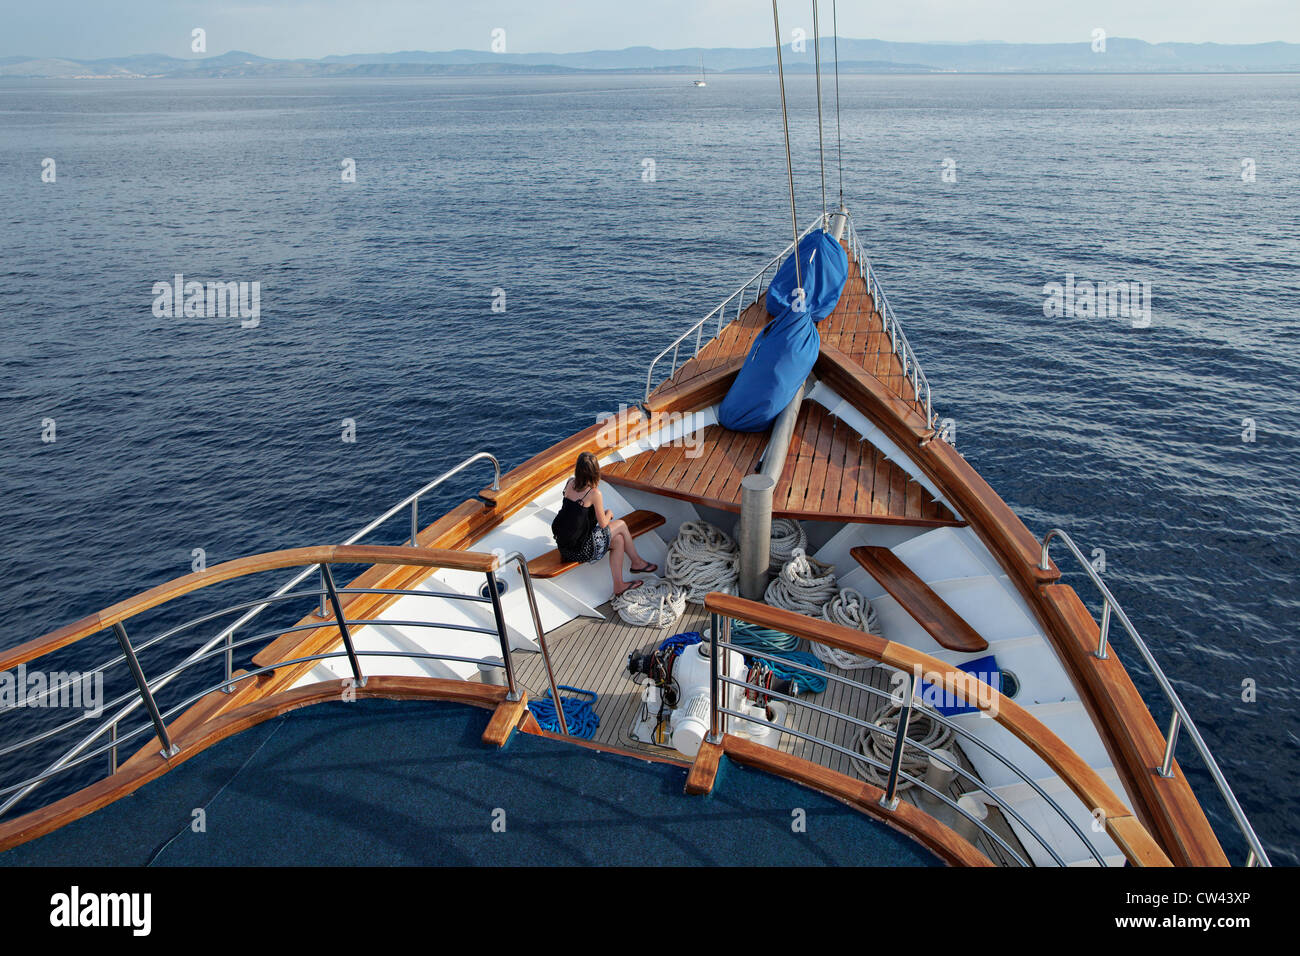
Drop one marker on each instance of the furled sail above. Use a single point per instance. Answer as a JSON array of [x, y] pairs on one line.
[[784, 352]]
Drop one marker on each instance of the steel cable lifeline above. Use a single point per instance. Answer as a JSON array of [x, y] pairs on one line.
[[839, 141], [821, 149], [789, 163]]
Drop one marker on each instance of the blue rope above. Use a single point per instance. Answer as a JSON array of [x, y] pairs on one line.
[[578, 714], [762, 638], [801, 681], [679, 642]]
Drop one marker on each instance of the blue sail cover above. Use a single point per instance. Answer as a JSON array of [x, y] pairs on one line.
[[784, 352], [824, 267]]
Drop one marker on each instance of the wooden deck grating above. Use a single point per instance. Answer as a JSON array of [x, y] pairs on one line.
[[854, 327], [831, 474], [592, 655]]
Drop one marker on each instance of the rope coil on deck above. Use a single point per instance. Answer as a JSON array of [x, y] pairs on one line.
[[656, 603], [851, 609], [703, 558], [579, 714], [788, 536], [804, 585], [879, 745]]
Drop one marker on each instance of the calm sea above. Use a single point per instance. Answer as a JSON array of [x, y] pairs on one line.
[[174, 434]]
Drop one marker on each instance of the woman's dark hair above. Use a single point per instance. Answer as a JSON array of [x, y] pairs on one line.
[[586, 474]]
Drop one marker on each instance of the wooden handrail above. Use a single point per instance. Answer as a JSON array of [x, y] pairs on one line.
[[1138, 846], [240, 567], [1166, 805]]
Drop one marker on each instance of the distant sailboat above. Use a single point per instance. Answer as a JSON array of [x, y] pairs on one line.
[[700, 81]]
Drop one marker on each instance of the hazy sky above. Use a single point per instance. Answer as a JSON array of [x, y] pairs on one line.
[[313, 28]]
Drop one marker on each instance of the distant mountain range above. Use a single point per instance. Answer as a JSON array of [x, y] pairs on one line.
[[856, 56]]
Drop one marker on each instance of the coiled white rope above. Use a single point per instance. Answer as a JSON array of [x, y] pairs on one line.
[[701, 559], [787, 537], [851, 609], [879, 744], [804, 585], [656, 603]]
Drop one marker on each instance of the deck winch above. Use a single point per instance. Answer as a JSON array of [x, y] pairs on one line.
[[690, 720], [675, 707]]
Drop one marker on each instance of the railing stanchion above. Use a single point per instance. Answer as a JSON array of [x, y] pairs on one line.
[[415, 521], [228, 687], [541, 636], [715, 716], [112, 751], [512, 693], [169, 749], [320, 609], [1167, 768], [1103, 639], [342, 623], [889, 799]]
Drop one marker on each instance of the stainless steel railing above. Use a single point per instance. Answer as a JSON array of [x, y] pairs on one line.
[[144, 692], [743, 297], [898, 341], [227, 635], [1180, 717], [719, 640], [723, 312], [284, 592]]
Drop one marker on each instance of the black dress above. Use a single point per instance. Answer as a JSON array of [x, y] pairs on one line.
[[576, 532]]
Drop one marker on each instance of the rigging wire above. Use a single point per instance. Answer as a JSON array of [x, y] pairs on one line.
[[839, 142], [789, 163], [821, 148]]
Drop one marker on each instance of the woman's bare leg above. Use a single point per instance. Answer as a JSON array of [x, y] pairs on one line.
[[616, 561], [618, 529]]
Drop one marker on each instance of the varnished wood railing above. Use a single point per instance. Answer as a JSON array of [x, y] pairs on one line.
[[240, 567], [1166, 805], [113, 618], [1133, 840]]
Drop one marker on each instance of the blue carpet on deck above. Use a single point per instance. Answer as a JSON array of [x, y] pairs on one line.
[[376, 782]]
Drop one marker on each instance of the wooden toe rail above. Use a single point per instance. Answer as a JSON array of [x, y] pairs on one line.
[[551, 565], [928, 609]]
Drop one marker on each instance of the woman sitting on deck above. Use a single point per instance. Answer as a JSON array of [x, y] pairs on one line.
[[585, 529]]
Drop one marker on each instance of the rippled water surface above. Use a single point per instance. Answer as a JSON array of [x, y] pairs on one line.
[[184, 433]]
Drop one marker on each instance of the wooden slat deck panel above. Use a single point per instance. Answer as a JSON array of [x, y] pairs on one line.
[[831, 473], [854, 327], [593, 654]]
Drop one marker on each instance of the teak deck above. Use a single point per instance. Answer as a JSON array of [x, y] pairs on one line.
[[854, 328], [592, 654], [831, 473]]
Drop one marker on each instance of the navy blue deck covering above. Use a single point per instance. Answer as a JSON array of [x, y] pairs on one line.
[[378, 782]]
